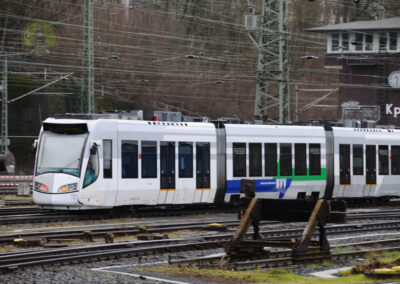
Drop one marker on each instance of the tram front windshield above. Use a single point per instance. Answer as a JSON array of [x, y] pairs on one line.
[[60, 153]]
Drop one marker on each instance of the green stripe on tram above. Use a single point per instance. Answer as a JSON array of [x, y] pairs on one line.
[[308, 177]]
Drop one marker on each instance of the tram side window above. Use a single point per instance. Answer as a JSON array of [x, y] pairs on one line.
[[383, 160], [314, 156], [286, 159], [271, 158], [395, 160], [300, 159], [358, 162], [107, 158], [239, 159], [129, 159], [255, 159], [149, 159], [344, 164], [185, 160]]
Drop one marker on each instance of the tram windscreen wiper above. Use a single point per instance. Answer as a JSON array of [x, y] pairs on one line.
[[71, 171], [69, 164]]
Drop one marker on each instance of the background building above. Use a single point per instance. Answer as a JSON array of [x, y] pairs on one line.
[[367, 54]]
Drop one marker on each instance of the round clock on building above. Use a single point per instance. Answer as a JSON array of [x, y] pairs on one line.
[[394, 79]]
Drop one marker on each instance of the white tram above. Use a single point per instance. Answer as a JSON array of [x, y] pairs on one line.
[[86, 162]]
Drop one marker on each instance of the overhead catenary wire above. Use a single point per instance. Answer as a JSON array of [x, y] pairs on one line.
[[189, 73]]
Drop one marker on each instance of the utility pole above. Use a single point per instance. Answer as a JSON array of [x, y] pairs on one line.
[[87, 87], [272, 101], [4, 108], [381, 10], [296, 103]]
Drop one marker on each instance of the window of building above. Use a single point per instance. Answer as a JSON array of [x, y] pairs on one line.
[[239, 159], [395, 160], [300, 159], [185, 160], [285, 159], [383, 160], [107, 158], [383, 41], [335, 42], [129, 159], [149, 159], [315, 159], [255, 159], [271, 159], [345, 41], [359, 41], [358, 159], [369, 42], [393, 41]]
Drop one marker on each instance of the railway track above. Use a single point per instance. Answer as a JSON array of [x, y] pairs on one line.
[[47, 216], [384, 214], [13, 211], [96, 252], [75, 255], [20, 202], [9, 261], [284, 258], [116, 230], [32, 215], [130, 230]]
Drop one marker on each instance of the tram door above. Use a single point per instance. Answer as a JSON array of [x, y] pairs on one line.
[[344, 164], [167, 172], [370, 167], [202, 172]]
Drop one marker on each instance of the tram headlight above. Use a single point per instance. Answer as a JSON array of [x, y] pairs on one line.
[[40, 187], [68, 188]]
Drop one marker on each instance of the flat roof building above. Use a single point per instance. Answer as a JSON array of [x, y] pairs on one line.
[[367, 55]]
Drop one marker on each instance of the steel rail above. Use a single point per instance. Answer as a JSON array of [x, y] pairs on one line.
[[117, 231], [63, 216], [43, 215], [285, 257], [18, 259], [290, 260], [76, 255], [160, 228]]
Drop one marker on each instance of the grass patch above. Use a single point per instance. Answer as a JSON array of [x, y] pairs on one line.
[[327, 263], [16, 197], [314, 265], [183, 233], [385, 257], [343, 249], [254, 276]]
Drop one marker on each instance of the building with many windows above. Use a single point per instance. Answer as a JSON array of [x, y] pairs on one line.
[[367, 55]]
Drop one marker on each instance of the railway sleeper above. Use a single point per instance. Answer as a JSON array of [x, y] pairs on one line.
[[151, 236], [109, 238], [19, 242], [87, 236]]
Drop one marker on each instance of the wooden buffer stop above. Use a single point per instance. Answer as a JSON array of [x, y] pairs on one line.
[[317, 213]]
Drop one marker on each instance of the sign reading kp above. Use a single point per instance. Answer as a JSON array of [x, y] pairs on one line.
[[395, 111]]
